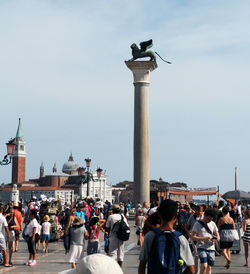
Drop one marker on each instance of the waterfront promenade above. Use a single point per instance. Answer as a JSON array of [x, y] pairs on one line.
[[54, 262]]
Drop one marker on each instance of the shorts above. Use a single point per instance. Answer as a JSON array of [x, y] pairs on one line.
[[2, 244], [45, 237], [138, 230], [12, 236], [206, 256], [17, 235], [225, 244]]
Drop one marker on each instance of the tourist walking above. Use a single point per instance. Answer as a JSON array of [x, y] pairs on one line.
[[198, 215], [173, 261], [205, 233], [46, 229], [93, 232], [30, 232], [78, 235], [139, 226], [12, 224], [18, 229], [4, 229], [246, 236], [226, 227], [116, 246]]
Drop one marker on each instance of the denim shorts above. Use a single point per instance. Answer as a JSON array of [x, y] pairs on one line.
[[206, 256], [45, 237]]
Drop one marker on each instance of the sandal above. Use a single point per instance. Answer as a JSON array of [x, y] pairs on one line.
[[228, 264]]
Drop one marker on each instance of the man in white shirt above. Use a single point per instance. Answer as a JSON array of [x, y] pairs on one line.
[[4, 229], [116, 246], [205, 232]]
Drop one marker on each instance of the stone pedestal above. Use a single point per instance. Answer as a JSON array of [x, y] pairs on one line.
[[141, 72]]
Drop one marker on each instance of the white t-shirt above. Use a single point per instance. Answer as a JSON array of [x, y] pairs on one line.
[[202, 232], [112, 219], [46, 228], [3, 223], [38, 231], [29, 230]]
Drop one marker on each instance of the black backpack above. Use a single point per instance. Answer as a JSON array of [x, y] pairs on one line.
[[122, 230]]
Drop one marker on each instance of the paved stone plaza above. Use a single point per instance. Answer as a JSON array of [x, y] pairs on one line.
[[54, 262]]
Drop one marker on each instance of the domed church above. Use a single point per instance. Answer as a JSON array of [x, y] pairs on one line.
[[70, 167]]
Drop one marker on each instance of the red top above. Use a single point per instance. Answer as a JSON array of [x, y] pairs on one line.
[[19, 218]]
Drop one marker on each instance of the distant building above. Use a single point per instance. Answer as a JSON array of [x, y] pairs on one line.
[[25, 193], [63, 185], [124, 192]]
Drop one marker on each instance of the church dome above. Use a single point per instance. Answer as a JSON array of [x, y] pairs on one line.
[[71, 166]]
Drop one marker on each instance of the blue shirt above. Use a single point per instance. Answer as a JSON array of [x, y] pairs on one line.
[[80, 214]]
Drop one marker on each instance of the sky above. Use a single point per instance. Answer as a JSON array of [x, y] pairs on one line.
[[62, 71]]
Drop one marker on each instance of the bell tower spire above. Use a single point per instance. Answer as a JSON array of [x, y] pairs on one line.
[[19, 157]]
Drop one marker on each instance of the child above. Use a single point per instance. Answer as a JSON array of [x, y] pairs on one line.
[[46, 228], [93, 231]]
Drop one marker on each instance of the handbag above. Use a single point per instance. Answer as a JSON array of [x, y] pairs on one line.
[[236, 235]]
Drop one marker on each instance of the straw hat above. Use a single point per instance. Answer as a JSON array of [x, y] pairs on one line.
[[46, 218], [78, 221]]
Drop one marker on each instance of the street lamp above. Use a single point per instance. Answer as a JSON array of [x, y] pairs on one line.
[[10, 151], [85, 174]]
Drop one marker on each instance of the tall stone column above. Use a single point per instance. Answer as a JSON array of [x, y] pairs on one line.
[[141, 73]]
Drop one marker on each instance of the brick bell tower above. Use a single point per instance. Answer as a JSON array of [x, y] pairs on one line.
[[19, 157]]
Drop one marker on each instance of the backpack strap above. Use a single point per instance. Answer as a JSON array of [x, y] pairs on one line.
[[117, 222], [205, 226]]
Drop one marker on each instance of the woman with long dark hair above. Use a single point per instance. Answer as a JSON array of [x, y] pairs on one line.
[[12, 224]]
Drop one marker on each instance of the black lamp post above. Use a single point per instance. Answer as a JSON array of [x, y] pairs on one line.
[[85, 174], [10, 151]]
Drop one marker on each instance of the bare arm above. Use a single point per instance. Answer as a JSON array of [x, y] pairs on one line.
[[7, 232], [33, 236], [219, 223], [245, 226], [189, 270], [195, 237]]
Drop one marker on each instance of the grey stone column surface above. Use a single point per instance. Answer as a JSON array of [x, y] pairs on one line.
[[141, 73]]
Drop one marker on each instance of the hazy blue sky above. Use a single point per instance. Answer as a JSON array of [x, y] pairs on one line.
[[62, 71]]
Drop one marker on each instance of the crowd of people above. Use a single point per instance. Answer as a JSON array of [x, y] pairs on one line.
[[194, 234], [206, 231]]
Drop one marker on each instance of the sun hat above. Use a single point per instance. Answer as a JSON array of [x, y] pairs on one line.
[[96, 264], [78, 221], [46, 218]]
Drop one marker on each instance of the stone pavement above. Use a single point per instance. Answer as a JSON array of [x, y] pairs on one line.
[[54, 262]]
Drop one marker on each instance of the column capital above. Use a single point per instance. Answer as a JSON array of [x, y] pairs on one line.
[[141, 70]]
